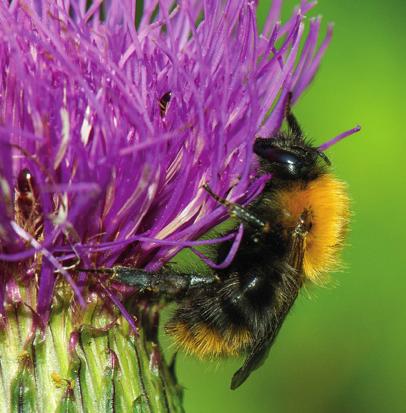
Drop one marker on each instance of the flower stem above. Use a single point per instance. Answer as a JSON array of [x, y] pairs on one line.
[[84, 361]]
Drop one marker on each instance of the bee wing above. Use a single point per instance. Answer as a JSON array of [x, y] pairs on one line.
[[292, 281], [254, 360], [260, 350]]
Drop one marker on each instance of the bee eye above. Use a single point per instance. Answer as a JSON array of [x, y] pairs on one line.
[[289, 160], [283, 163], [280, 156]]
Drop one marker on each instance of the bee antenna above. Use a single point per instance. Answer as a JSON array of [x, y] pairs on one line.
[[290, 117], [324, 157]]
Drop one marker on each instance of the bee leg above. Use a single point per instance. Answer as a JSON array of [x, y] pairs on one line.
[[169, 284], [292, 121], [299, 235], [239, 212]]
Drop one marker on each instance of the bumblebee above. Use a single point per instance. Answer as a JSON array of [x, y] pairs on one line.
[[292, 234]]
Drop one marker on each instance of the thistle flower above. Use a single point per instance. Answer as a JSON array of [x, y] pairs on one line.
[[96, 169]]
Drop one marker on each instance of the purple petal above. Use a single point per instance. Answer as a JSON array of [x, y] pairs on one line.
[[341, 136], [118, 182]]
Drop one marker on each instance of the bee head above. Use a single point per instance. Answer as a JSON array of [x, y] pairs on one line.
[[290, 159]]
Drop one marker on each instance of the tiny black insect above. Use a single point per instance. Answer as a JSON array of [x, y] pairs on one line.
[[28, 210], [292, 234], [163, 103]]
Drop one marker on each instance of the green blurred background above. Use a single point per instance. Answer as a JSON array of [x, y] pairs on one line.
[[343, 348]]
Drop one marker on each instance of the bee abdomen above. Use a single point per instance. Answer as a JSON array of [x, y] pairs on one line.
[[226, 321], [205, 341]]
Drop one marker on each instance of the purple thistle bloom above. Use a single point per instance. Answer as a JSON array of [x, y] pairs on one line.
[[117, 179]]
